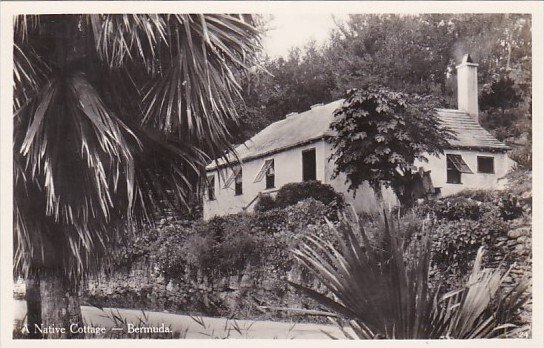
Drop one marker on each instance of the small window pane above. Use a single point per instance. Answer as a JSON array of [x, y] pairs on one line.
[[486, 164]]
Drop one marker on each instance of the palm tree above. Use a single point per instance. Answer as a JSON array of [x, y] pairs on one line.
[[114, 116]]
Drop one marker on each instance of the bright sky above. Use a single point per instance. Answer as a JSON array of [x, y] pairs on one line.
[[289, 30]]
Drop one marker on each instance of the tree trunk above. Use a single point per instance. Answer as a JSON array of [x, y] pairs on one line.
[[33, 305], [60, 304]]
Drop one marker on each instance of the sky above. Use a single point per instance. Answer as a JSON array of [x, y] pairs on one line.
[[289, 30]]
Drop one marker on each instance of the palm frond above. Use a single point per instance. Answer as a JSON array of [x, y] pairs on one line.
[[90, 152], [385, 293], [30, 73], [24, 25]]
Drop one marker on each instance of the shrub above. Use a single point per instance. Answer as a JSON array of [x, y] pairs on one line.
[[293, 193], [170, 255], [465, 221], [451, 209], [386, 294], [265, 203], [456, 242], [472, 204], [222, 246]]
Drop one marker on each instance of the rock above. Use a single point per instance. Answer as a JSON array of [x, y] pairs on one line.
[[520, 249], [518, 232], [512, 242], [523, 239], [516, 223]]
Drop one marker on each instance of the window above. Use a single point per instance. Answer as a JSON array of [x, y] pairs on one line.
[[308, 165], [238, 183], [267, 170], [486, 165], [211, 187], [270, 176], [236, 178], [455, 166]]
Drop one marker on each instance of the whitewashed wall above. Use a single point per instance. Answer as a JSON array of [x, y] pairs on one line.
[[437, 165], [288, 169], [365, 199]]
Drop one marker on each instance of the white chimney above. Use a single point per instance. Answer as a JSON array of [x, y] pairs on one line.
[[467, 86]]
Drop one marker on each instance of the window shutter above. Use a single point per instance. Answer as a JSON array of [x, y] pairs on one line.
[[459, 164], [264, 169], [231, 178]]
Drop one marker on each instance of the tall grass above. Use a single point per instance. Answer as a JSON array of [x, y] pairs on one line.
[[384, 292]]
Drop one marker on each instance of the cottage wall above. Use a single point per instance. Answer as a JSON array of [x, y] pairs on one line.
[[365, 199], [437, 165], [288, 169]]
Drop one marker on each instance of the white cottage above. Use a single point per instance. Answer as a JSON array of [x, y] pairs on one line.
[[294, 150]]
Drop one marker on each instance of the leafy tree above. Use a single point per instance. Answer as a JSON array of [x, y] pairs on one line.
[[285, 85], [379, 133], [114, 116], [409, 53]]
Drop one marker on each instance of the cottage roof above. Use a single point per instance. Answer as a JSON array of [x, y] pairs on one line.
[[468, 132], [299, 129]]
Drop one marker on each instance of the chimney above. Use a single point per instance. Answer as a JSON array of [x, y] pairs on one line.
[[467, 86]]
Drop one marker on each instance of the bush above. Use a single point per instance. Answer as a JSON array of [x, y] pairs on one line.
[[472, 204], [465, 221], [293, 193], [385, 293], [265, 203]]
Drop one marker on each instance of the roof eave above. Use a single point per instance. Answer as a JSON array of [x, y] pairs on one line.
[[266, 154]]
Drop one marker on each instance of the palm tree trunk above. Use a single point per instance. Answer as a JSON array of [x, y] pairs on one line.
[[33, 305], [60, 304]]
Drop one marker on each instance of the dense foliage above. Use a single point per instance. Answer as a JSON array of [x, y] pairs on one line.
[[413, 54], [292, 193], [385, 293], [379, 133], [463, 223], [105, 130], [200, 259]]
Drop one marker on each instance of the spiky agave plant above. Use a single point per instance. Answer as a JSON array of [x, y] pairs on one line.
[[114, 115], [386, 294]]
